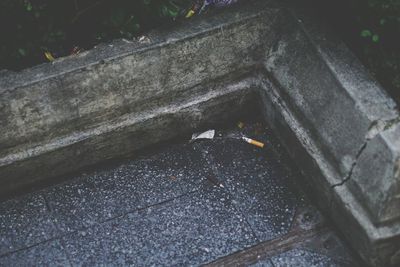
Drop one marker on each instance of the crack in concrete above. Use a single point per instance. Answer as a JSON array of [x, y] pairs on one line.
[[375, 128], [353, 165]]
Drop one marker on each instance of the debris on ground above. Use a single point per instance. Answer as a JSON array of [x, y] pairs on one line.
[[220, 3], [199, 6], [253, 142], [216, 3], [210, 134], [204, 135], [190, 13], [240, 125], [49, 56], [144, 39]]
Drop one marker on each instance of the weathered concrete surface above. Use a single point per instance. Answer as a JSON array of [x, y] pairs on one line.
[[125, 134], [110, 81], [339, 125], [117, 98], [324, 102], [380, 195]]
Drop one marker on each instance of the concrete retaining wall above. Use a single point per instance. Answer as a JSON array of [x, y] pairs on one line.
[[336, 121], [111, 100], [343, 130]]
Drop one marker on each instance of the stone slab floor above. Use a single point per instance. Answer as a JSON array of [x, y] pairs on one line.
[[166, 208]]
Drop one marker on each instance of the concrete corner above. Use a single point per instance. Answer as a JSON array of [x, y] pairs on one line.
[[335, 120], [332, 110], [376, 178]]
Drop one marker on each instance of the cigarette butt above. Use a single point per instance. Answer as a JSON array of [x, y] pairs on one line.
[[189, 14], [253, 142]]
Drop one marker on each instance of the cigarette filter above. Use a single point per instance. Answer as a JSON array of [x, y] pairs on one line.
[[253, 142]]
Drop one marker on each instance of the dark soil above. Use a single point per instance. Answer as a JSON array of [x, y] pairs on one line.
[[29, 28], [371, 29]]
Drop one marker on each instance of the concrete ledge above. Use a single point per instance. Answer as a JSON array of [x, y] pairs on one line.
[[336, 121], [79, 110], [318, 96], [124, 135]]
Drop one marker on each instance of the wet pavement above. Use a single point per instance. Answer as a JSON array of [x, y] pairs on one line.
[[167, 208]]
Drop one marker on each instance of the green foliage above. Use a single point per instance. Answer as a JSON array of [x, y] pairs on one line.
[[31, 27], [380, 20], [371, 28], [380, 17]]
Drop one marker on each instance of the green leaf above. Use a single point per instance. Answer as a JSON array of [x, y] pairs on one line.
[[375, 38], [366, 33], [28, 6], [22, 51], [172, 13]]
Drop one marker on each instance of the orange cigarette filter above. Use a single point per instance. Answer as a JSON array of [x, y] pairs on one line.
[[253, 142]]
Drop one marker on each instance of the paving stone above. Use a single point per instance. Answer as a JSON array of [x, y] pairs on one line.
[[45, 254], [263, 263], [135, 184], [164, 209], [329, 244], [262, 189], [304, 258], [190, 230], [181, 163], [24, 221]]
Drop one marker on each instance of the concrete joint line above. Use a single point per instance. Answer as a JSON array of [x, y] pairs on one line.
[[269, 248]]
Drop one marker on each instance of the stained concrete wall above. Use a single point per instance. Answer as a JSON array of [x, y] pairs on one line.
[[109, 101], [343, 129], [336, 121]]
